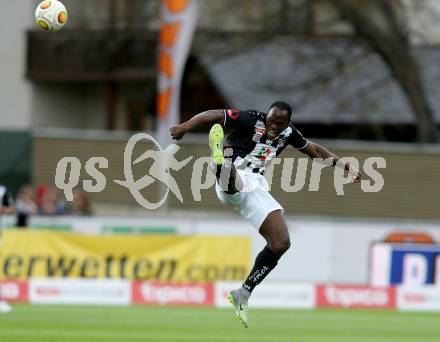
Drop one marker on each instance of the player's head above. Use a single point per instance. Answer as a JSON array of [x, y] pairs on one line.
[[278, 118]]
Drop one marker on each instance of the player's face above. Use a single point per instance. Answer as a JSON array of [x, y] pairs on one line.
[[277, 121]]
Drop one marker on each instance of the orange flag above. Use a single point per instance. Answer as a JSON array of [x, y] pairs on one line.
[[178, 23]]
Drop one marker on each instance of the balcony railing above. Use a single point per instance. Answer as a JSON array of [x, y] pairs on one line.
[[88, 56]]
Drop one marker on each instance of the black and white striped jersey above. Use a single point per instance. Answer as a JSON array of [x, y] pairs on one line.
[[5, 200], [5, 197], [247, 144]]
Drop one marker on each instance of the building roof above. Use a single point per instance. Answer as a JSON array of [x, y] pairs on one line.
[[328, 80]]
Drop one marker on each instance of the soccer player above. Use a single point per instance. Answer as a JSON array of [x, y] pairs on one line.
[[255, 139], [5, 208]]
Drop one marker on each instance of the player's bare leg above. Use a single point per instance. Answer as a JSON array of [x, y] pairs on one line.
[[274, 229], [276, 233]]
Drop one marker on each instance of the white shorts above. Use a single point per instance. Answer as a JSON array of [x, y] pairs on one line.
[[255, 202]]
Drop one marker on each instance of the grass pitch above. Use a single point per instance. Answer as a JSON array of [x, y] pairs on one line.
[[38, 323]]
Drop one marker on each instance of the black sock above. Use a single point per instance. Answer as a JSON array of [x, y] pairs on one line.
[[265, 262], [224, 175]]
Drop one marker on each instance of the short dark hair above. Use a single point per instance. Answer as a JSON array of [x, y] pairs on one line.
[[283, 106]]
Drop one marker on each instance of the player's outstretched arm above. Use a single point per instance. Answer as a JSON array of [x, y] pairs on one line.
[[317, 151], [207, 118]]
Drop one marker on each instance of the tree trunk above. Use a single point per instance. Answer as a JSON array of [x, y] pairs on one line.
[[385, 36]]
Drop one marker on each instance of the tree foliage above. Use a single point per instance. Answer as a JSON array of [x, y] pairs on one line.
[[378, 22]]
